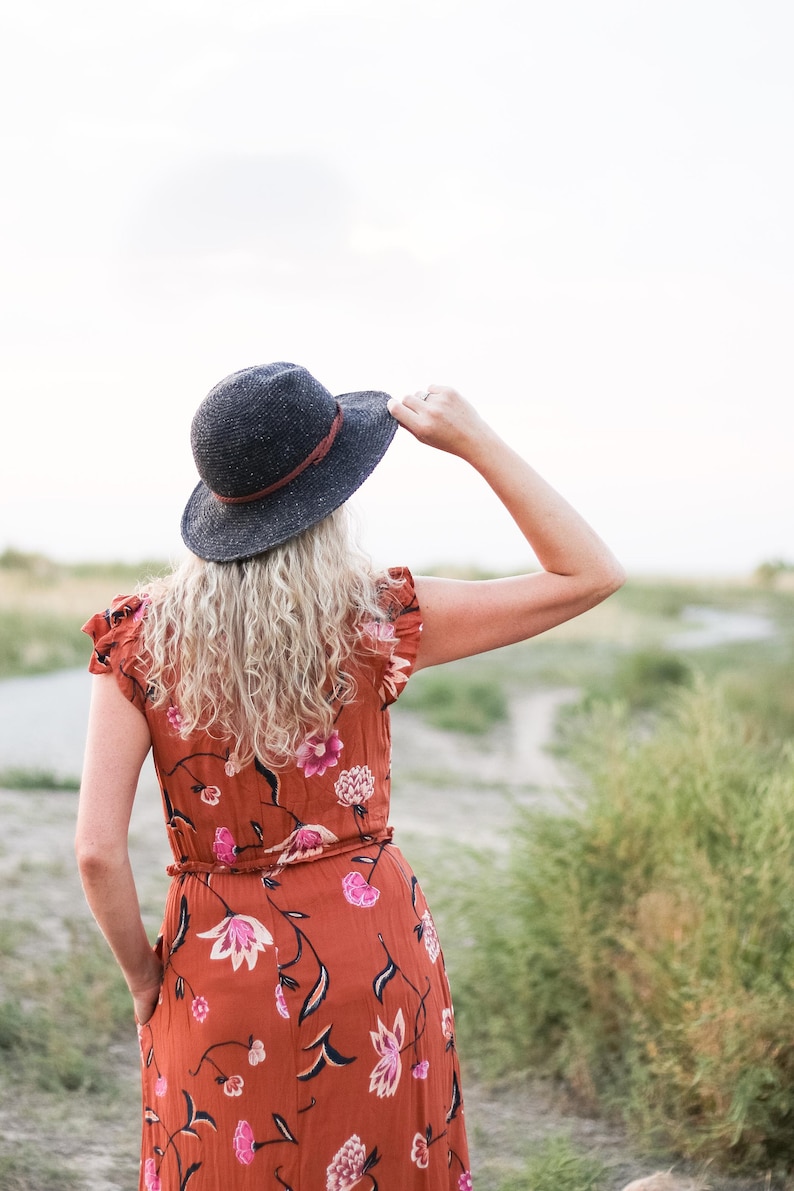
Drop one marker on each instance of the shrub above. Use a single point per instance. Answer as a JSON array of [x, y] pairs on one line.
[[642, 948]]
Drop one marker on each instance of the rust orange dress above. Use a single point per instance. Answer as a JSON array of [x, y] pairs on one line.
[[304, 1035]]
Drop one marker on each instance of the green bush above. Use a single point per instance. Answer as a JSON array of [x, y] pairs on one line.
[[642, 949], [642, 679]]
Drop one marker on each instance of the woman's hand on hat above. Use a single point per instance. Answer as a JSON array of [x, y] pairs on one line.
[[439, 417]]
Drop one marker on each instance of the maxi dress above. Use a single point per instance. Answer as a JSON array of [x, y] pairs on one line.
[[304, 1035]]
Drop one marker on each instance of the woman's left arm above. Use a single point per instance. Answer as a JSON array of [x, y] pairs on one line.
[[117, 744]]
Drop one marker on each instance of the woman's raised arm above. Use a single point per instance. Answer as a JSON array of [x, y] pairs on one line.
[[463, 617]]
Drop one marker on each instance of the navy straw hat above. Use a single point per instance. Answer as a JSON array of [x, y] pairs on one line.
[[277, 453]]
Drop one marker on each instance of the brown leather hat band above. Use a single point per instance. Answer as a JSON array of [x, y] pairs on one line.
[[319, 452]]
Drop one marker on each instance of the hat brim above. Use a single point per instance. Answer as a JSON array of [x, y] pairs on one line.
[[220, 532]]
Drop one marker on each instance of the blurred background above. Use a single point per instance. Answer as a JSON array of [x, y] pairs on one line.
[[578, 214]]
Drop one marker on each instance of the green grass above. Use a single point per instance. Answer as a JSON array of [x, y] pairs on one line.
[[15, 778], [60, 1014], [43, 604], [556, 1165], [457, 699], [642, 949], [27, 1169], [37, 642]]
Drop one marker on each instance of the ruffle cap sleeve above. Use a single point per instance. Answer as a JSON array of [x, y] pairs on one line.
[[400, 632], [115, 634]]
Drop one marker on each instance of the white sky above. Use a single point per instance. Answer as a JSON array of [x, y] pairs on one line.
[[578, 213]]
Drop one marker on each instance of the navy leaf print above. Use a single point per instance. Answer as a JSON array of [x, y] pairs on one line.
[[316, 997], [173, 815], [191, 1170], [328, 1056], [383, 978], [182, 928], [284, 1128], [453, 1112], [269, 777], [205, 1116]]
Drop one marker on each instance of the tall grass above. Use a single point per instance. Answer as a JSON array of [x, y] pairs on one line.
[[643, 948], [555, 1165], [59, 1013]]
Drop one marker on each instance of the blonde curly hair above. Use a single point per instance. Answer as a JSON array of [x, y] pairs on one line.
[[257, 652]]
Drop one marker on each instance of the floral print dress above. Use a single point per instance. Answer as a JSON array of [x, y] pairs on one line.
[[304, 1035]]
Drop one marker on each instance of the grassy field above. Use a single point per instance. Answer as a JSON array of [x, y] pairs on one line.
[[636, 950]]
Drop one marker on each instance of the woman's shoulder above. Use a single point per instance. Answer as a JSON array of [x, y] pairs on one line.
[[115, 633], [397, 593]]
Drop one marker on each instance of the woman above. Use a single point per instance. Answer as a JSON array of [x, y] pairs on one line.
[[294, 1017]]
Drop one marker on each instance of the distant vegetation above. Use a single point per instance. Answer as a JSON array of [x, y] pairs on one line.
[[44, 603]]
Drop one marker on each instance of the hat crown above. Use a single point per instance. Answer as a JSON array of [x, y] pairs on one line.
[[257, 426]]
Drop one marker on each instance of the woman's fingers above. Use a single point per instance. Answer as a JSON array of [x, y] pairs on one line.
[[439, 417]]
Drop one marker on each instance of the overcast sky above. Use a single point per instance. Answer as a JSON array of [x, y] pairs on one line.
[[578, 213]]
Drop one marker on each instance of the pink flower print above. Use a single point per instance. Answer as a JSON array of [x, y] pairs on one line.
[[358, 892], [238, 937], [200, 1008], [346, 1168], [420, 1153], [231, 767], [354, 786], [256, 1052], [393, 677], [448, 1027], [174, 717], [306, 841], [150, 1176], [420, 1070], [233, 1085], [316, 754], [430, 936], [464, 1182], [244, 1144], [380, 630], [385, 1075], [224, 847], [161, 1086], [140, 611], [211, 795], [281, 1001]]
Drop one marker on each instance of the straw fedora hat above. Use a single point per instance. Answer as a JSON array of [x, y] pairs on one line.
[[277, 453]]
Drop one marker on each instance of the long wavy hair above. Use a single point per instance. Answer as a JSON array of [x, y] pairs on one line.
[[258, 652]]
